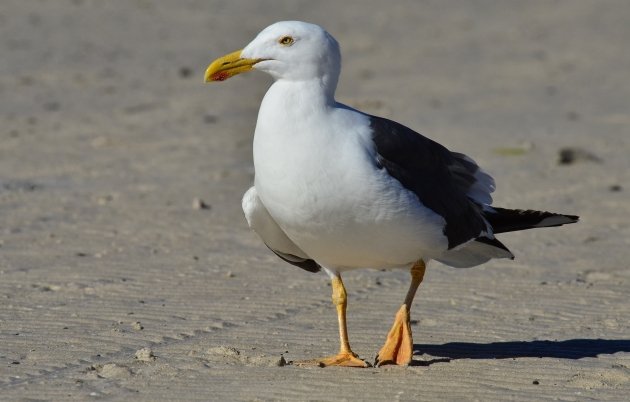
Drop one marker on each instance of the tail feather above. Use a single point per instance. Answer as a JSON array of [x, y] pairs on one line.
[[509, 220], [474, 253]]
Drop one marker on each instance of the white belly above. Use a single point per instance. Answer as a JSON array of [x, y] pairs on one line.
[[325, 192]]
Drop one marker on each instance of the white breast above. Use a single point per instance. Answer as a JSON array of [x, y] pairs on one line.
[[316, 174]]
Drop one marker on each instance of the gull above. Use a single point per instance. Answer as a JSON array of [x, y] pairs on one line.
[[337, 189]]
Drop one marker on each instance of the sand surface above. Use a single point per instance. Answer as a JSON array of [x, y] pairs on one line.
[[116, 284]]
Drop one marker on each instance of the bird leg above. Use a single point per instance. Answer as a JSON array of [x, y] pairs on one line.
[[346, 357], [398, 348]]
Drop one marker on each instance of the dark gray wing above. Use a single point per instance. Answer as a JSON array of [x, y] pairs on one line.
[[441, 179]]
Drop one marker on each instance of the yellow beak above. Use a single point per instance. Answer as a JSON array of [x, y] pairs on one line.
[[229, 65]]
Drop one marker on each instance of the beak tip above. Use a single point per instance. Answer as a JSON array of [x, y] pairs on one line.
[[207, 77]]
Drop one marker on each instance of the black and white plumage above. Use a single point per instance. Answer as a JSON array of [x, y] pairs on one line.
[[340, 189]]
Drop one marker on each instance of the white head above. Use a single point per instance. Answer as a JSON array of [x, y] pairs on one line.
[[288, 50]]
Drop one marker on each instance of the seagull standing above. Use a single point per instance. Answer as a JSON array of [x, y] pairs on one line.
[[338, 189]]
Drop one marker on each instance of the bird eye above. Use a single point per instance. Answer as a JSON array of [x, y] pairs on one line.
[[286, 41]]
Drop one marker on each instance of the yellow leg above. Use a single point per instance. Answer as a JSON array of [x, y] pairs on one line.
[[398, 348], [346, 357]]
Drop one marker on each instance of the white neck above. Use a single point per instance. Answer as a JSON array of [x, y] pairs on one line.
[[296, 100]]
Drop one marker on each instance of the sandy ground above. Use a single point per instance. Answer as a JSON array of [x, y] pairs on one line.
[[113, 286]]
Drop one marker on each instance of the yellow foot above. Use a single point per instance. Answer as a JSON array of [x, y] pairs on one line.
[[398, 348], [344, 359]]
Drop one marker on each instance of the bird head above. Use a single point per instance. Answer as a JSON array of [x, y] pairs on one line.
[[287, 50]]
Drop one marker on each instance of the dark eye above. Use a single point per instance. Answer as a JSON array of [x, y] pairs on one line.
[[286, 41]]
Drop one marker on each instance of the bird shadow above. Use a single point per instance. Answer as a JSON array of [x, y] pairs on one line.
[[567, 349]]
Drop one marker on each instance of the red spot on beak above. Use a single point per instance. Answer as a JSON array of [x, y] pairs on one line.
[[220, 76]]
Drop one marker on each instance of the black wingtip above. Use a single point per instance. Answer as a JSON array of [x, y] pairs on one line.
[[510, 220], [304, 263], [552, 219]]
